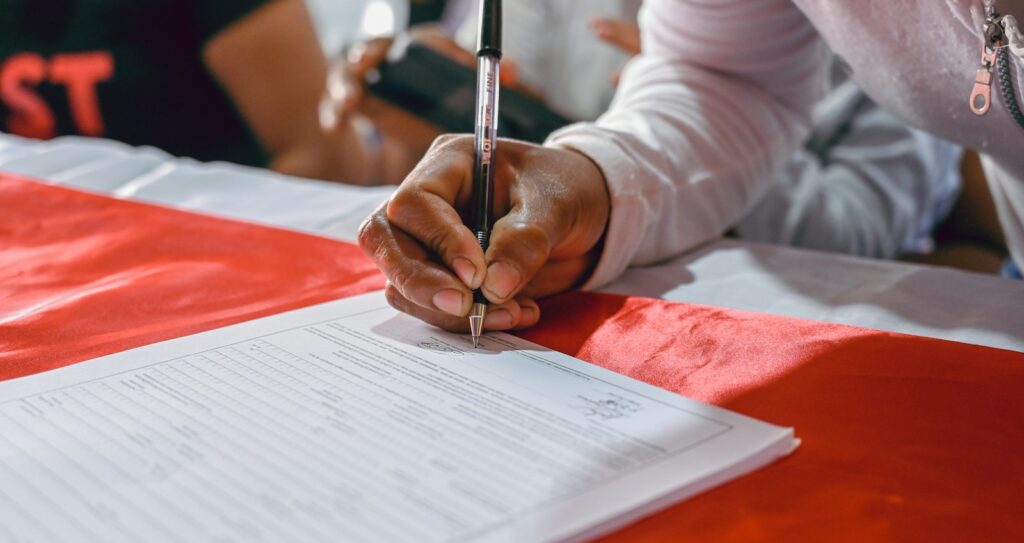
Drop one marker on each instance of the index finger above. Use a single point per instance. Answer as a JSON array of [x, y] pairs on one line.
[[424, 207]]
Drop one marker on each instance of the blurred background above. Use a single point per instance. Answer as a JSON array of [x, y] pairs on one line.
[[340, 23]]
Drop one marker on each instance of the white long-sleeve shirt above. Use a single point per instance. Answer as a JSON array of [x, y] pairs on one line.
[[722, 97], [863, 184]]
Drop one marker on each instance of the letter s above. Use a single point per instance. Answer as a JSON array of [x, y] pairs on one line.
[[30, 116]]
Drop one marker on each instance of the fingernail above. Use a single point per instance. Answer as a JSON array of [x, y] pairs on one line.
[[498, 319], [527, 313], [449, 301], [502, 280], [465, 270]]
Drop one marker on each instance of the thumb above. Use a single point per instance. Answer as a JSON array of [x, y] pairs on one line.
[[550, 227]]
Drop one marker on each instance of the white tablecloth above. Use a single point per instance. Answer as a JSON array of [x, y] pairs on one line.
[[913, 299]]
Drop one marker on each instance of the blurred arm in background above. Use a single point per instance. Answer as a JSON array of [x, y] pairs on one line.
[[271, 65]]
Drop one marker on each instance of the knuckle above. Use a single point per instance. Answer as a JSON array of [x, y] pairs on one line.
[[399, 279], [369, 236], [451, 141], [443, 139], [394, 297], [373, 235], [443, 241], [399, 204], [408, 211]]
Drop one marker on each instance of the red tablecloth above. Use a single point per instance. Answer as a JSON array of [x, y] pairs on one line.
[[84, 275], [905, 438]]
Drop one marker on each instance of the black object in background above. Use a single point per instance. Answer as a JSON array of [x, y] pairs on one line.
[[443, 92], [426, 11]]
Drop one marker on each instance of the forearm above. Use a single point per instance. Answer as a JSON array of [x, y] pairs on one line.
[[700, 124], [338, 155], [271, 66]]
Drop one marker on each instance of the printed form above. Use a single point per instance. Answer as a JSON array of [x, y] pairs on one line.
[[348, 421]]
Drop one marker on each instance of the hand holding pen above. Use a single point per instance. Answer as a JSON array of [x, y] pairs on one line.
[[551, 208], [547, 209]]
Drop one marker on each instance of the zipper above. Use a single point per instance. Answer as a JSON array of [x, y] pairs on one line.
[[1002, 36], [995, 38]]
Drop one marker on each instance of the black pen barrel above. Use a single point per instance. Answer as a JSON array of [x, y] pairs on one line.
[[485, 142], [489, 32]]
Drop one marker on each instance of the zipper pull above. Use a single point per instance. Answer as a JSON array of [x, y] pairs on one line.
[[981, 96]]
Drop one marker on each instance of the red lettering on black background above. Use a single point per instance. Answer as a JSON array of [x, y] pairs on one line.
[[30, 116], [79, 73]]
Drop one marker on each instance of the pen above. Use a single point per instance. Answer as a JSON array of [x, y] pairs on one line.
[[488, 56]]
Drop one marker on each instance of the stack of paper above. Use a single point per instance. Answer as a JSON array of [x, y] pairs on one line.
[[350, 422]]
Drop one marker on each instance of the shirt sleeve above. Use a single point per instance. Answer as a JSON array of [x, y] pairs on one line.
[[867, 184], [213, 16], [718, 102]]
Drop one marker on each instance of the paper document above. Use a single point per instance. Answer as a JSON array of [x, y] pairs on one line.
[[348, 421]]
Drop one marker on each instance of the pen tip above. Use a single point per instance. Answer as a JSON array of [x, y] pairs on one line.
[[476, 322]]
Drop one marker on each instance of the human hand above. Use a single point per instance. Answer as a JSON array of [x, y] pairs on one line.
[[384, 142], [346, 80], [552, 205], [346, 92]]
